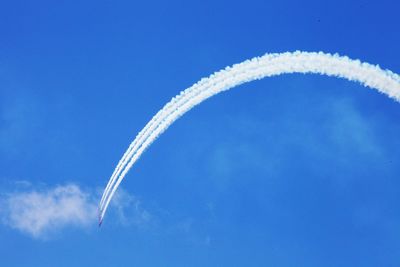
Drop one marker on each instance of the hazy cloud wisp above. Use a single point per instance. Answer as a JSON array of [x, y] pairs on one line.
[[39, 213]]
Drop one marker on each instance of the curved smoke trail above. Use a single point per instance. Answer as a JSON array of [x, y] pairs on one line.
[[268, 65]]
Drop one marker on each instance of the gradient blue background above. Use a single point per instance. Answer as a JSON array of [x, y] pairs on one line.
[[296, 170]]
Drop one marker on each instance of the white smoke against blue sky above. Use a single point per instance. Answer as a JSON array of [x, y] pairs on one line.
[[371, 76], [42, 211]]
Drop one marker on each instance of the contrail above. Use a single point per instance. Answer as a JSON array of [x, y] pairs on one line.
[[148, 128], [184, 96], [268, 65]]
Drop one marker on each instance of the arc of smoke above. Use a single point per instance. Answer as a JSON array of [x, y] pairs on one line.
[[268, 65], [176, 101], [183, 97]]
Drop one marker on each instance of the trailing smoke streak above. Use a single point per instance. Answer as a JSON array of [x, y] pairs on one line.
[[169, 107], [176, 101], [133, 146], [269, 65], [184, 96]]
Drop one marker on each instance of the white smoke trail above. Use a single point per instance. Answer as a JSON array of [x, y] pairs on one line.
[[372, 76], [176, 101], [184, 96]]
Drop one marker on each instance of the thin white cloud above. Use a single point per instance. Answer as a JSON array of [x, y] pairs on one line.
[[349, 128], [130, 210], [41, 212]]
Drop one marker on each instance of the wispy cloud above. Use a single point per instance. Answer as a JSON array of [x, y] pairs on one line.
[[130, 211], [41, 211]]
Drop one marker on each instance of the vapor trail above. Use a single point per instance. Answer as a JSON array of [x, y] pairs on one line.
[[268, 65], [176, 101]]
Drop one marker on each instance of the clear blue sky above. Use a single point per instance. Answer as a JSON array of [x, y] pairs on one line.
[[296, 170]]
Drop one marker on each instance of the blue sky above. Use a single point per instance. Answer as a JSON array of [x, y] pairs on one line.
[[295, 170]]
